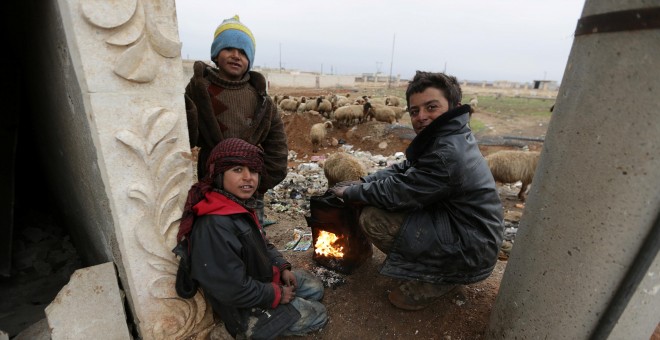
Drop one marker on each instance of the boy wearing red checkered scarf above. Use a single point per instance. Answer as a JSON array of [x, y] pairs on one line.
[[249, 284]]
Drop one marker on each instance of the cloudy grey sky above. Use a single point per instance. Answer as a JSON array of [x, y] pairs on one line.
[[518, 40]]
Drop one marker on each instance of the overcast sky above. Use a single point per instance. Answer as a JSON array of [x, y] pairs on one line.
[[518, 40]]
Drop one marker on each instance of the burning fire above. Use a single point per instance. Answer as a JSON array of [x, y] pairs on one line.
[[327, 245]]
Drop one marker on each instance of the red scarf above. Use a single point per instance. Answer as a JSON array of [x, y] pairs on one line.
[[215, 203]]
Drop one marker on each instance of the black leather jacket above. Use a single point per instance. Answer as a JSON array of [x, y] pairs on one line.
[[454, 229], [233, 264]]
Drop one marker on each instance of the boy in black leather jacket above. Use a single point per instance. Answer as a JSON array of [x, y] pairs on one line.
[[437, 215]]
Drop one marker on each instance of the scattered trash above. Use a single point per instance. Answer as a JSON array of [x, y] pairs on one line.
[[297, 236], [304, 243], [295, 195]]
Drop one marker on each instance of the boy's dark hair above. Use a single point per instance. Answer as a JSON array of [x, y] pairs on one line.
[[447, 84]]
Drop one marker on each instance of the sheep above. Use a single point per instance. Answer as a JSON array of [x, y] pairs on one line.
[[339, 101], [278, 98], [373, 100], [510, 166], [398, 111], [392, 101], [341, 166], [311, 104], [380, 113], [346, 115], [289, 105], [324, 107], [317, 134], [474, 102]]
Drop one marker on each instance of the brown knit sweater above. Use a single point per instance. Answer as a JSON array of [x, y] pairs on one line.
[[218, 109]]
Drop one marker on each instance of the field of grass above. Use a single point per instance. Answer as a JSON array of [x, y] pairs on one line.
[[511, 106], [502, 105], [516, 105]]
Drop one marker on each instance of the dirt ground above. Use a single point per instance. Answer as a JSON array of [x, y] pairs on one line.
[[359, 308]]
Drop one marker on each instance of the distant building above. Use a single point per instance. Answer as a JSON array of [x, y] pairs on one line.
[[545, 85]]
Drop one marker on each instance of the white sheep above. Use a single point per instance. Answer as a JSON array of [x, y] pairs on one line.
[[374, 100], [289, 104], [311, 104], [392, 101], [317, 134], [346, 115], [381, 113], [279, 98], [398, 111], [341, 166], [474, 102], [511, 166], [339, 101], [324, 107]]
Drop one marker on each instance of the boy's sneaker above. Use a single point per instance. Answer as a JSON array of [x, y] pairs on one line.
[[267, 223], [416, 295]]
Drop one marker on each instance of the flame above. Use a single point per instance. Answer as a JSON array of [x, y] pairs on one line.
[[327, 244]]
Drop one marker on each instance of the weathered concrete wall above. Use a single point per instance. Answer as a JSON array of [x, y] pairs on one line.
[[595, 195], [292, 80], [336, 81], [287, 79]]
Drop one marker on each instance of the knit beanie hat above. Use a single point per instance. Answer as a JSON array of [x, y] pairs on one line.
[[232, 152], [225, 155], [233, 34]]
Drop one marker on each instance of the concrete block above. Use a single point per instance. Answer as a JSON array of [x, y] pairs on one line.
[[89, 306]]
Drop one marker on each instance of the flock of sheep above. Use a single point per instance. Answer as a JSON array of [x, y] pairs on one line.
[[342, 110], [507, 166]]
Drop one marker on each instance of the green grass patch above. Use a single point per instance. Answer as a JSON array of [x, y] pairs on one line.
[[476, 125], [516, 105]]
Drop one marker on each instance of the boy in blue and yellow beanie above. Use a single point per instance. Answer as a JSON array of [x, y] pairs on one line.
[[230, 101], [233, 34]]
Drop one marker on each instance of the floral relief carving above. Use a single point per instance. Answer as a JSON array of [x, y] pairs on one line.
[[159, 195], [138, 30]]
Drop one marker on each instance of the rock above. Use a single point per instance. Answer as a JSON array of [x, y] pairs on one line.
[[334, 142], [382, 145], [89, 305]]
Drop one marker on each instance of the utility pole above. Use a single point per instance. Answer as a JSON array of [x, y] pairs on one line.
[[378, 64], [389, 79], [280, 57]]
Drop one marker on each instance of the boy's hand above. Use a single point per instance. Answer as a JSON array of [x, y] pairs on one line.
[[288, 293], [289, 279]]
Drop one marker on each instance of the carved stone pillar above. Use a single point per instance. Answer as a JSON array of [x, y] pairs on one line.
[[126, 58]]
